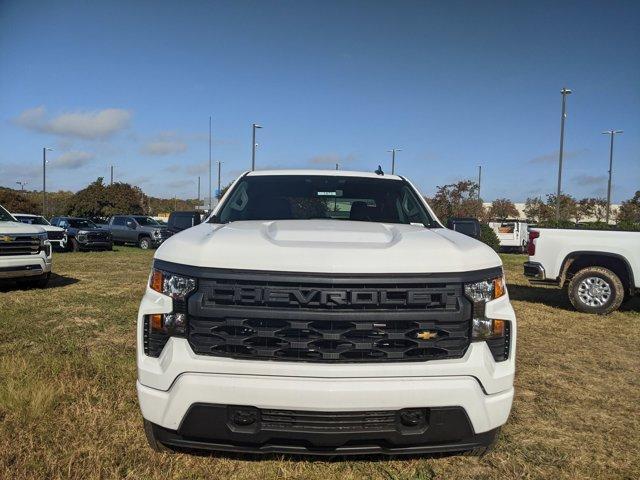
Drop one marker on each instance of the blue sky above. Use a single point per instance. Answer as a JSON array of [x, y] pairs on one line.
[[454, 84]]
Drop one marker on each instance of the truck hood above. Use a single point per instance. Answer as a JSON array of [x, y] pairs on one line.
[[327, 246], [10, 228]]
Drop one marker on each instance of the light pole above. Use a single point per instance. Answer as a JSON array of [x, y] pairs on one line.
[[393, 158], [479, 179], [565, 91], [44, 179], [253, 148], [22, 184], [111, 183], [611, 133], [219, 172], [210, 181]]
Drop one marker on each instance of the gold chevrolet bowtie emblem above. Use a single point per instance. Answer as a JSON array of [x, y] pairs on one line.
[[6, 238], [426, 335]]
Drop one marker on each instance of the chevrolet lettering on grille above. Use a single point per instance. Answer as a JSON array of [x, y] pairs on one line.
[[248, 295]]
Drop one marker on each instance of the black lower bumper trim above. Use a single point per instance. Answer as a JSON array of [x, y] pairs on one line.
[[233, 428]]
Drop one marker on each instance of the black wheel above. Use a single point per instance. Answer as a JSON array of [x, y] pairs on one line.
[[152, 440], [145, 243], [596, 290], [74, 246]]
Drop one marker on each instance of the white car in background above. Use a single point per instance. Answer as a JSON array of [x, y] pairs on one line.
[[56, 235], [25, 251], [513, 234]]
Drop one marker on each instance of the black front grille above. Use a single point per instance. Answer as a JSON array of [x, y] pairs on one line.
[[355, 320], [55, 235], [98, 236], [328, 422], [19, 245]]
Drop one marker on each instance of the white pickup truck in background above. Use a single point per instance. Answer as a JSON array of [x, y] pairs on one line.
[[600, 268], [512, 234]]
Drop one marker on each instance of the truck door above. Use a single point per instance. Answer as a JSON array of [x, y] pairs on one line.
[[131, 230], [118, 229]]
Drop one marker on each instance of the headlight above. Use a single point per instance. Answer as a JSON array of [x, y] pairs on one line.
[[82, 232], [43, 237], [156, 233], [172, 285], [480, 293]]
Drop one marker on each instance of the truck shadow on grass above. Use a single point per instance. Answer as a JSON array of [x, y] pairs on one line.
[[556, 297], [55, 281]]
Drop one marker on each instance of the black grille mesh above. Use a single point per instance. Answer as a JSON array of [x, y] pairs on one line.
[[390, 321], [19, 245]]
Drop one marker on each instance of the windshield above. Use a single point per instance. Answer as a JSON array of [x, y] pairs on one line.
[[5, 216], [305, 197], [32, 220], [146, 221], [81, 223]]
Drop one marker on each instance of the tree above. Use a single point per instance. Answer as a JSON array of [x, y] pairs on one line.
[[457, 200], [17, 202], [629, 211], [568, 207], [600, 209], [90, 201], [535, 209], [122, 198], [585, 209], [502, 208]]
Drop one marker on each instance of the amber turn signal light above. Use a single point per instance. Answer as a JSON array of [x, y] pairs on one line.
[[156, 281], [498, 287]]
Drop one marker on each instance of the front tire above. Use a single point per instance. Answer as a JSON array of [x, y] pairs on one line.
[[74, 246], [596, 290], [145, 243]]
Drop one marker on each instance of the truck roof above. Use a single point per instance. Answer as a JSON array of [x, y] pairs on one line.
[[332, 173]]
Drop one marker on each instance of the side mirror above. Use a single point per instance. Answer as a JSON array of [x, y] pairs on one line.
[[214, 219], [131, 225]]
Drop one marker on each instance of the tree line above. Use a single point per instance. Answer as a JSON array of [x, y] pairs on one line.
[[97, 200], [461, 200]]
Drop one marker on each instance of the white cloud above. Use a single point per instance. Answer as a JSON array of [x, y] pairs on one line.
[[192, 169], [165, 143], [553, 157], [91, 125], [72, 160]]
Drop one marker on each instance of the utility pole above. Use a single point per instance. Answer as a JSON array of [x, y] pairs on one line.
[[219, 171], [44, 180], [611, 133], [111, 175], [393, 158], [337, 166], [479, 179], [210, 181], [565, 91], [198, 189], [22, 184], [253, 147]]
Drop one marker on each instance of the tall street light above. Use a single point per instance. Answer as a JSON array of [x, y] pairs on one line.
[[44, 179], [210, 181], [393, 158], [565, 91], [219, 175], [22, 184], [611, 133], [253, 148]]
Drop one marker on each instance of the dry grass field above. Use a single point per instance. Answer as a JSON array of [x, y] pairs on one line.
[[68, 406]]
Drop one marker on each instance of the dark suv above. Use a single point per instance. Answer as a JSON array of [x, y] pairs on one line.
[[83, 234]]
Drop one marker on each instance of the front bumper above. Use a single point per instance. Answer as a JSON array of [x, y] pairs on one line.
[[252, 430], [26, 265], [170, 386], [95, 245]]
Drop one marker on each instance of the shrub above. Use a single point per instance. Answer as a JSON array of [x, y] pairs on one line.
[[488, 236]]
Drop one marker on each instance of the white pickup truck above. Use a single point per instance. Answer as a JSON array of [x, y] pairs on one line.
[[600, 268], [325, 312], [25, 251]]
